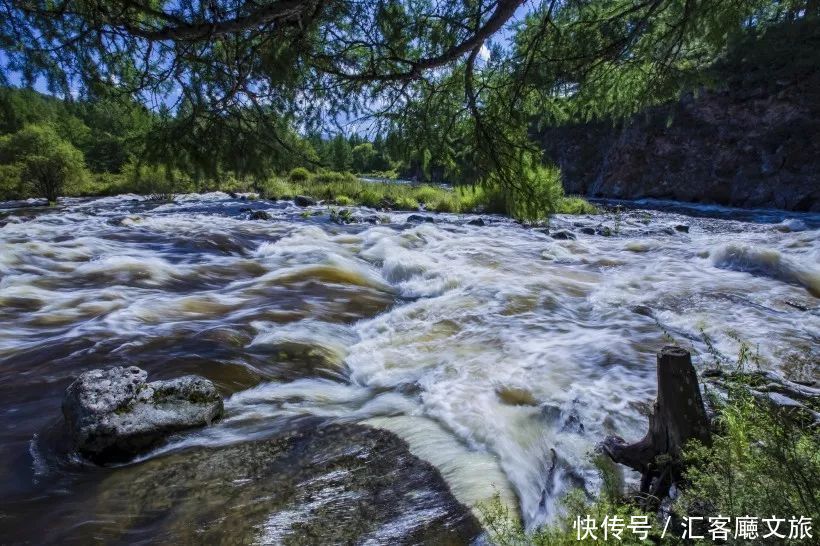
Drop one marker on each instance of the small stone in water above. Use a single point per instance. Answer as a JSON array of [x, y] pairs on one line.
[[563, 235], [260, 215]]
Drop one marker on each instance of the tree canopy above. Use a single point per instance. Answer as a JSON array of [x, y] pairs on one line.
[[459, 81]]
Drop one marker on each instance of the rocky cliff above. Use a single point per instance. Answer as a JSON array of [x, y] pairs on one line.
[[751, 140]]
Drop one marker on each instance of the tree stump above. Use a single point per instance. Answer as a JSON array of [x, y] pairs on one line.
[[678, 416]]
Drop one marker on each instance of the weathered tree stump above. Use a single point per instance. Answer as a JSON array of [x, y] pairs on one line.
[[678, 416]]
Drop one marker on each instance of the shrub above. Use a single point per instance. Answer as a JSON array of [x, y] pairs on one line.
[[158, 182], [11, 186], [576, 205], [427, 194], [343, 200], [47, 163], [406, 203], [763, 461], [299, 174], [279, 188]]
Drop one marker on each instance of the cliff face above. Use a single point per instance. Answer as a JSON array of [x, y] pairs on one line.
[[753, 142]]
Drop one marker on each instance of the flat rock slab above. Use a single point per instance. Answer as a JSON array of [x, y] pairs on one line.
[[115, 414], [319, 484]]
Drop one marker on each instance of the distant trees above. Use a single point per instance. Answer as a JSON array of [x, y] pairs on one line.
[[45, 162]]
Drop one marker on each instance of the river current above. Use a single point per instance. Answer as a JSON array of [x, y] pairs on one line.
[[500, 353]]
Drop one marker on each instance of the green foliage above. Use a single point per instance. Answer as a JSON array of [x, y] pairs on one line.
[[279, 188], [158, 182], [47, 163], [11, 185], [299, 174], [763, 461]]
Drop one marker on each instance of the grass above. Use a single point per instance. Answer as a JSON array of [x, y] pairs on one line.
[[345, 189], [342, 189]]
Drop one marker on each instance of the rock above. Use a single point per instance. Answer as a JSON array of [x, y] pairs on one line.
[[797, 305], [318, 484], [246, 209], [476, 222], [114, 414], [587, 231], [371, 219], [726, 146], [260, 215], [604, 231], [303, 201], [232, 195], [682, 228], [563, 235], [514, 396], [418, 218]]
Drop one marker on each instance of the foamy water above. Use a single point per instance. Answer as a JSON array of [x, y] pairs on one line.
[[502, 355]]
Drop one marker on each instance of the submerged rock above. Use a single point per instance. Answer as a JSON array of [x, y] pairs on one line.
[[563, 235], [514, 396], [304, 201], [319, 484], [114, 414], [260, 215], [418, 218]]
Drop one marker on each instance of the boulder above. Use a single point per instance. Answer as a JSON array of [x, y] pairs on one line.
[[476, 222], [114, 414], [418, 218], [563, 235], [260, 215], [316, 483], [304, 201], [587, 230], [682, 228]]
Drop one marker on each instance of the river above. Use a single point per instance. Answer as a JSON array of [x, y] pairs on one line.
[[499, 353]]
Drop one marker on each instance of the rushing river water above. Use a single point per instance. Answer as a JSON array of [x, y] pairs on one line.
[[500, 353]]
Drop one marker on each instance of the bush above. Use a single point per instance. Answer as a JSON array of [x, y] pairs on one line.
[[11, 185], [279, 188], [299, 174], [47, 163], [158, 182], [406, 203], [762, 462], [343, 200], [575, 205]]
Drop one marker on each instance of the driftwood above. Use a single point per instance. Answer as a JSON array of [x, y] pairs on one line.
[[678, 416]]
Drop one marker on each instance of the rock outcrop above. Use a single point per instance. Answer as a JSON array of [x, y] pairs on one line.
[[753, 141], [114, 414], [318, 484]]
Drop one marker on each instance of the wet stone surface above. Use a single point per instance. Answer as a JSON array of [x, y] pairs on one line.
[[331, 484], [114, 414]]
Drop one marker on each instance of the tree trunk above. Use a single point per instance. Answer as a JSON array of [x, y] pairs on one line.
[[678, 416]]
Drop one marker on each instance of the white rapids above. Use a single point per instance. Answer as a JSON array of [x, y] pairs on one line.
[[502, 355]]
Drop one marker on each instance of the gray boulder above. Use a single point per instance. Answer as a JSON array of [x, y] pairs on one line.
[[114, 414], [320, 483], [563, 235], [303, 201]]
